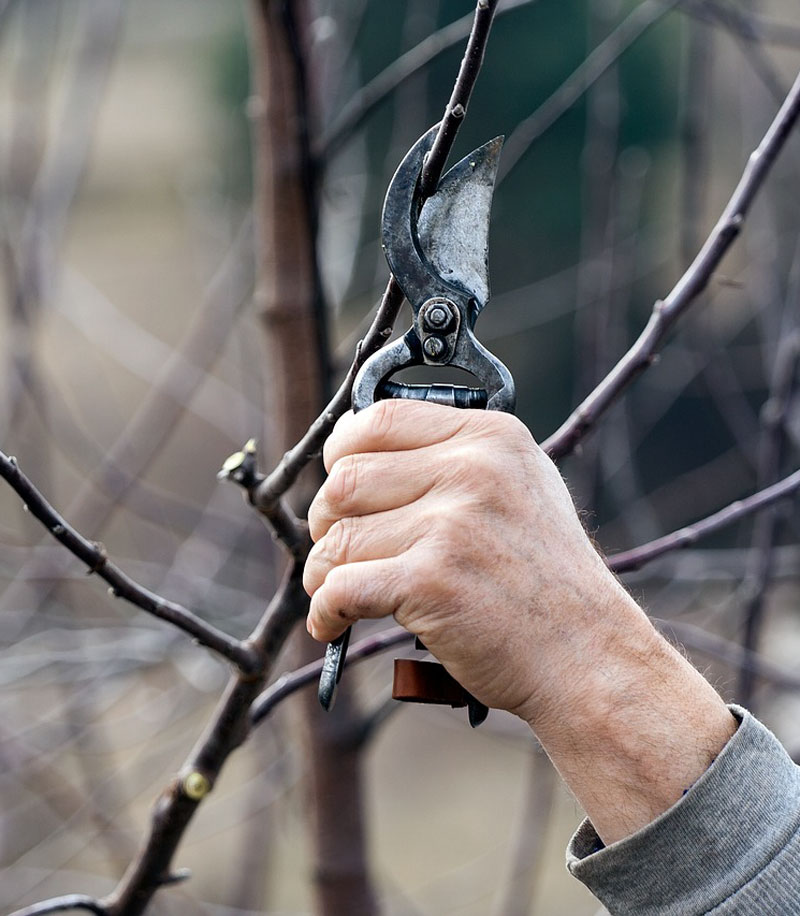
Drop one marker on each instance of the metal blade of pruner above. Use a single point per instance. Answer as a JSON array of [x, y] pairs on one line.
[[438, 252]]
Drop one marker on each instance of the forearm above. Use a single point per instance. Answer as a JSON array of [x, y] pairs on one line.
[[636, 726]]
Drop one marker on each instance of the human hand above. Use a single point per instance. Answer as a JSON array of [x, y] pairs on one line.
[[455, 522]]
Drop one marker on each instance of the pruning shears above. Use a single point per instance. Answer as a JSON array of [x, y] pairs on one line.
[[438, 255]]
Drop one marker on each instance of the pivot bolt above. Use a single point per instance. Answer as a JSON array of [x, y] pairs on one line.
[[434, 347], [438, 316]]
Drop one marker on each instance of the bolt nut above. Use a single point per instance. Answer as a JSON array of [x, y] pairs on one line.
[[434, 347], [439, 315]]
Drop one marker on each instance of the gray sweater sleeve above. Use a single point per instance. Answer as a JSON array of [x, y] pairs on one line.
[[730, 846]]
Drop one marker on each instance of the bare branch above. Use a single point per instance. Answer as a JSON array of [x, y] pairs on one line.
[[459, 99], [60, 904], [665, 313], [629, 560], [226, 731], [122, 586], [293, 681], [242, 468]]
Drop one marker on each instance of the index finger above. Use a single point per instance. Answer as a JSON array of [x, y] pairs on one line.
[[395, 425]]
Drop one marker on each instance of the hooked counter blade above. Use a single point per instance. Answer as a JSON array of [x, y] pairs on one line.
[[448, 242]]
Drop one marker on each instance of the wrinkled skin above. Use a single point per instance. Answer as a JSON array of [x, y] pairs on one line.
[[456, 522]]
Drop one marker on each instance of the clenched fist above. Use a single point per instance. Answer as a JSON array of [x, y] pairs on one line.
[[455, 522]]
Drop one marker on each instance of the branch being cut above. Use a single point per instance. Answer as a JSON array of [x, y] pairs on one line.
[[264, 495], [456, 108], [665, 313], [630, 560], [122, 586]]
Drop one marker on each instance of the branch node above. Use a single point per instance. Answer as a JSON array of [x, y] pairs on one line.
[[241, 466], [195, 785], [102, 558], [177, 877]]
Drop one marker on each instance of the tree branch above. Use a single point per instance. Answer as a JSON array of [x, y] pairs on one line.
[[747, 24], [665, 313], [122, 586], [456, 108], [630, 560], [226, 731]]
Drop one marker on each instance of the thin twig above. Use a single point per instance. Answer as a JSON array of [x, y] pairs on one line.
[[275, 484], [293, 681], [122, 586], [456, 109], [59, 904], [629, 560], [665, 313]]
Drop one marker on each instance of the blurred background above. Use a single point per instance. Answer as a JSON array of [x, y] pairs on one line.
[[133, 364]]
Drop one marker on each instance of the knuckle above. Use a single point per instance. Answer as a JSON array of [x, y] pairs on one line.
[[383, 419], [342, 484], [310, 583], [317, 517], [339, 593], [426, 569], [339, 539]]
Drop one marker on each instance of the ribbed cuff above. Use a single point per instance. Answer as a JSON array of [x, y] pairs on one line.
[[737, 824]]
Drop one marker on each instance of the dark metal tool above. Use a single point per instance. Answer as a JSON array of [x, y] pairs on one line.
[[438, 255]]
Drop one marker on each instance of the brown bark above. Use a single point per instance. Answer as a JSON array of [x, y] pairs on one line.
[[288, 299]]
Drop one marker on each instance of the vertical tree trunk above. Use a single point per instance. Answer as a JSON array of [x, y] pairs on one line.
[[289, 301]]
